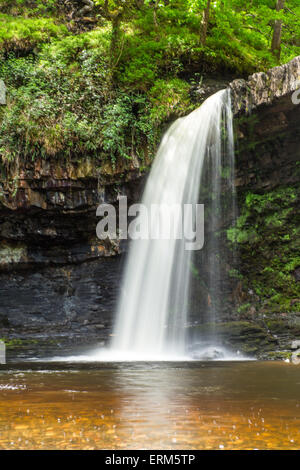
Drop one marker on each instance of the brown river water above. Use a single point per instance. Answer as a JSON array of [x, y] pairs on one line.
[[212, 405]]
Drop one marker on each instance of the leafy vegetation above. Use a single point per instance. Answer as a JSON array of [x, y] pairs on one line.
[[105, 84], [268, 231], [23, 34]]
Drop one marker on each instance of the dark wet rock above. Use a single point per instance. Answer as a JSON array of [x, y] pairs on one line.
[[267, 130], [267, 162], [295, 344], [57, 277], [269, 336], [76, 297], [208, 87], [296, 273], [296, 357]]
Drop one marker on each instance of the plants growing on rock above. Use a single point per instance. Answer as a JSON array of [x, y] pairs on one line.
[[267, 230], [72, 79]]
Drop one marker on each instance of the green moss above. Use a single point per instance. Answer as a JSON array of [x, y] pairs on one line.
[[292, 264], [235, 274], [276, 326], [278, 355], [236, 328], [169, 98], [277, 199], [18, 33], [244, 307], [12, 255], [15, 343]]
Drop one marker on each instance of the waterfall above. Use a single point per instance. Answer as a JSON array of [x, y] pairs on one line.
[[195, 159]]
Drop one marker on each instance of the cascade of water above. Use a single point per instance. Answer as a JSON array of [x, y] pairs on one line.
[[153, 305]]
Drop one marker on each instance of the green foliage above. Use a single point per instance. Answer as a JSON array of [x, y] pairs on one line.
[[236, 235], [268, 232], [28, 7], [74, 113], [111, 89], [123, 114], [22, 34], [235, 274], [244, 307], [140, 64], [71, 49], [169, 98], [278, 199], [51, 110], [278, 202], [292, 265]]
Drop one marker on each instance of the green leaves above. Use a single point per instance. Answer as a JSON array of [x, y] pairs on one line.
[[23, 34], [67, 97], [267, 231], [169, 98], [125, 124]]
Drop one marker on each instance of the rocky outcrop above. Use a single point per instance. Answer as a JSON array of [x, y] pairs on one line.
[[268, 187], [57, 277], [265, 88], [48, 211], [266, 125]]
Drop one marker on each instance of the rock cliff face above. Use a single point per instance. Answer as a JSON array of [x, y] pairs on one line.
[[267, 127], [267, 133], [266, 88], [56, 275], [58, 278]]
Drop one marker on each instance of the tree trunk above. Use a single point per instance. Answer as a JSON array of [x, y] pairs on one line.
[[115, 39], [276, 40], [155, 7], [204, 24]]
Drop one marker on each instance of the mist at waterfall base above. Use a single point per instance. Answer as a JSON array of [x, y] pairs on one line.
[[157, 307]]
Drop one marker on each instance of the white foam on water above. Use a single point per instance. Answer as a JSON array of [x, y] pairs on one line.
[[205, 354]]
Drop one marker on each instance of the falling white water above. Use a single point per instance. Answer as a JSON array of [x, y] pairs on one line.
[[153, 305]]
